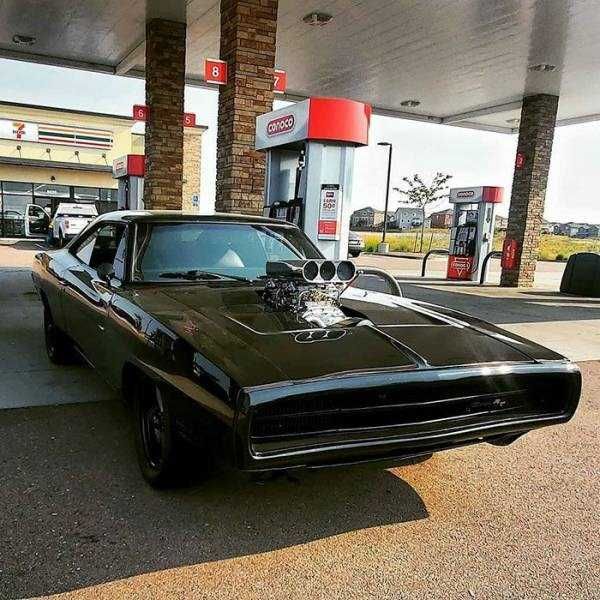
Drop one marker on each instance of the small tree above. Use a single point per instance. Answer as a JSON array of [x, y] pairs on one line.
[[418, 193]]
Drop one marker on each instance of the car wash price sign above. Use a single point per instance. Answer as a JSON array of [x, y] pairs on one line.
[[330, 209]]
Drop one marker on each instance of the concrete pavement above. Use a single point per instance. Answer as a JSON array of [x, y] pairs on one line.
[[480, 522], [28, 378], [548, 274]]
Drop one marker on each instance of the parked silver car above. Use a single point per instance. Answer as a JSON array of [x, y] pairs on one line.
[[355, 244]]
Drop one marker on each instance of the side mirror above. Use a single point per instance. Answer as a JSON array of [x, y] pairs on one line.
[[105, 272]]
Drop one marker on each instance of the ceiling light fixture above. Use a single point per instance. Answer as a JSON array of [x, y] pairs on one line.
[[543, 68], [513, 121], [410, 103], [24, 40], [317, 19]]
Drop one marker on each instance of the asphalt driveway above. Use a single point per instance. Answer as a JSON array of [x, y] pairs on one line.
[[77, 520], [480, 522]]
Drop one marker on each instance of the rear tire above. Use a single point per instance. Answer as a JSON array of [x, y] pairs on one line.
[[163, 456], [59, 347]]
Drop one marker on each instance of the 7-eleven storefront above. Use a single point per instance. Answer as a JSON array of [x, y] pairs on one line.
[[49, 156]]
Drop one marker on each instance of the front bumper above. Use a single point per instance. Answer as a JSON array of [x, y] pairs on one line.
[[397, 417]]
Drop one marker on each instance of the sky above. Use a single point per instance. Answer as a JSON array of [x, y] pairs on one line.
[[472, 157]]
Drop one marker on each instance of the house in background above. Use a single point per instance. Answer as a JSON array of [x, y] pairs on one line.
[[571, 229], [588, 231], [368, 218], [442, 219], [407, 217]]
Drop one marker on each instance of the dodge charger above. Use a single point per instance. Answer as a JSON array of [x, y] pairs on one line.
[[232, 338]]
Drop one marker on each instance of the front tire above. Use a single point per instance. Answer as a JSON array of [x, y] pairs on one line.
[[163, 456], [59, 348]]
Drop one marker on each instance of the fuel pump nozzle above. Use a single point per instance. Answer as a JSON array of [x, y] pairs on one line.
[[299, 169]]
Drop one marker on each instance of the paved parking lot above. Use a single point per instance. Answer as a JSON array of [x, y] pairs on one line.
[[480, 522]]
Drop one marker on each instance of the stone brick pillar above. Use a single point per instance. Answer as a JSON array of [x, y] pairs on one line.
[[165, 82], [192, 154], [248, 29], [536, 133]]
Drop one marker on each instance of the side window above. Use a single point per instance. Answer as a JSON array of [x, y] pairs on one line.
[[119, 262], [104, 245], [85, 248], [36, 211], [277, 247]]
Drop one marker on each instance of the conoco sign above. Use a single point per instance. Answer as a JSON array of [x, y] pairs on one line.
[[281, 125]]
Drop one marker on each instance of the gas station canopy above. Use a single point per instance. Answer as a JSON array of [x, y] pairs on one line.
[[466, 63]]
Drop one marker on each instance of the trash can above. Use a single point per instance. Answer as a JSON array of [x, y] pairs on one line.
[[582, 275]]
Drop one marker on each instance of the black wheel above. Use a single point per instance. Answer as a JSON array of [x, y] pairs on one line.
[[163, 455], [58, 346]]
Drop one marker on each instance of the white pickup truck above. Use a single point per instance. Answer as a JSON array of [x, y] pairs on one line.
[[69, 220]]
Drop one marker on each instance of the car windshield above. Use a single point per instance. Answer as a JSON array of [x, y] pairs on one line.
[[205, 251]]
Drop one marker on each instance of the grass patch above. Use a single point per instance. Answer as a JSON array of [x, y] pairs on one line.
[[552, 247]]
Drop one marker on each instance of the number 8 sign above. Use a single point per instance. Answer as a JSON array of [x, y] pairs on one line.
[[215, 71]]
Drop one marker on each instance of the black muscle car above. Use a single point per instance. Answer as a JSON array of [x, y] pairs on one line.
[[232, 337]]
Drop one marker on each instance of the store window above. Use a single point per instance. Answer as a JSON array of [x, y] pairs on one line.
[[15, 196], [108, 201], [51, 190], [86, 194], [14, 199]]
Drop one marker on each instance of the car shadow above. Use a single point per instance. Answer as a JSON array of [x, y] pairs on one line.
[[77, 513]]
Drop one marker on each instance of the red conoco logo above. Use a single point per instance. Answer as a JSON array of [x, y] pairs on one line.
[[281, 125]]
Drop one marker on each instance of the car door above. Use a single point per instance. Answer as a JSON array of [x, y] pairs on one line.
[[36, 221], [87, 295]]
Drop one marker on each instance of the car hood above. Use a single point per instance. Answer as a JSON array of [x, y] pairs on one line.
[[230, 325]]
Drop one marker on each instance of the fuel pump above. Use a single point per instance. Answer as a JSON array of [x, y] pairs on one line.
[[129, 171], [310, 162], [472, 232]]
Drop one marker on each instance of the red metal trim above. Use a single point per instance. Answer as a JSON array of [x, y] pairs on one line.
[[340, 120], [493, 195], [135, 165]]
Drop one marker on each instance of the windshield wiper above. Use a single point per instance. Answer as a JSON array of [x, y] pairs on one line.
[[196, 274]]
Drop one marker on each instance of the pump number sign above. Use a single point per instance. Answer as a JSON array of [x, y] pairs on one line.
[[330, 208]]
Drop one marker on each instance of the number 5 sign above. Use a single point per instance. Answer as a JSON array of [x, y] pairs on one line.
[[189, 119], [215, 71]]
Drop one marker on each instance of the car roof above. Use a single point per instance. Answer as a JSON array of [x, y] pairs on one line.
[[79, 206], [163, 216]]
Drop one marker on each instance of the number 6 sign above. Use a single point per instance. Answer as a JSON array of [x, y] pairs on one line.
[[215, 71]]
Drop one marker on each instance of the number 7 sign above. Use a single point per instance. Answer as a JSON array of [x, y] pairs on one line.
[[280, 83], [215, 71]]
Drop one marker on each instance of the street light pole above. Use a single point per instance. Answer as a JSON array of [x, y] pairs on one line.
[[383, 246]]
